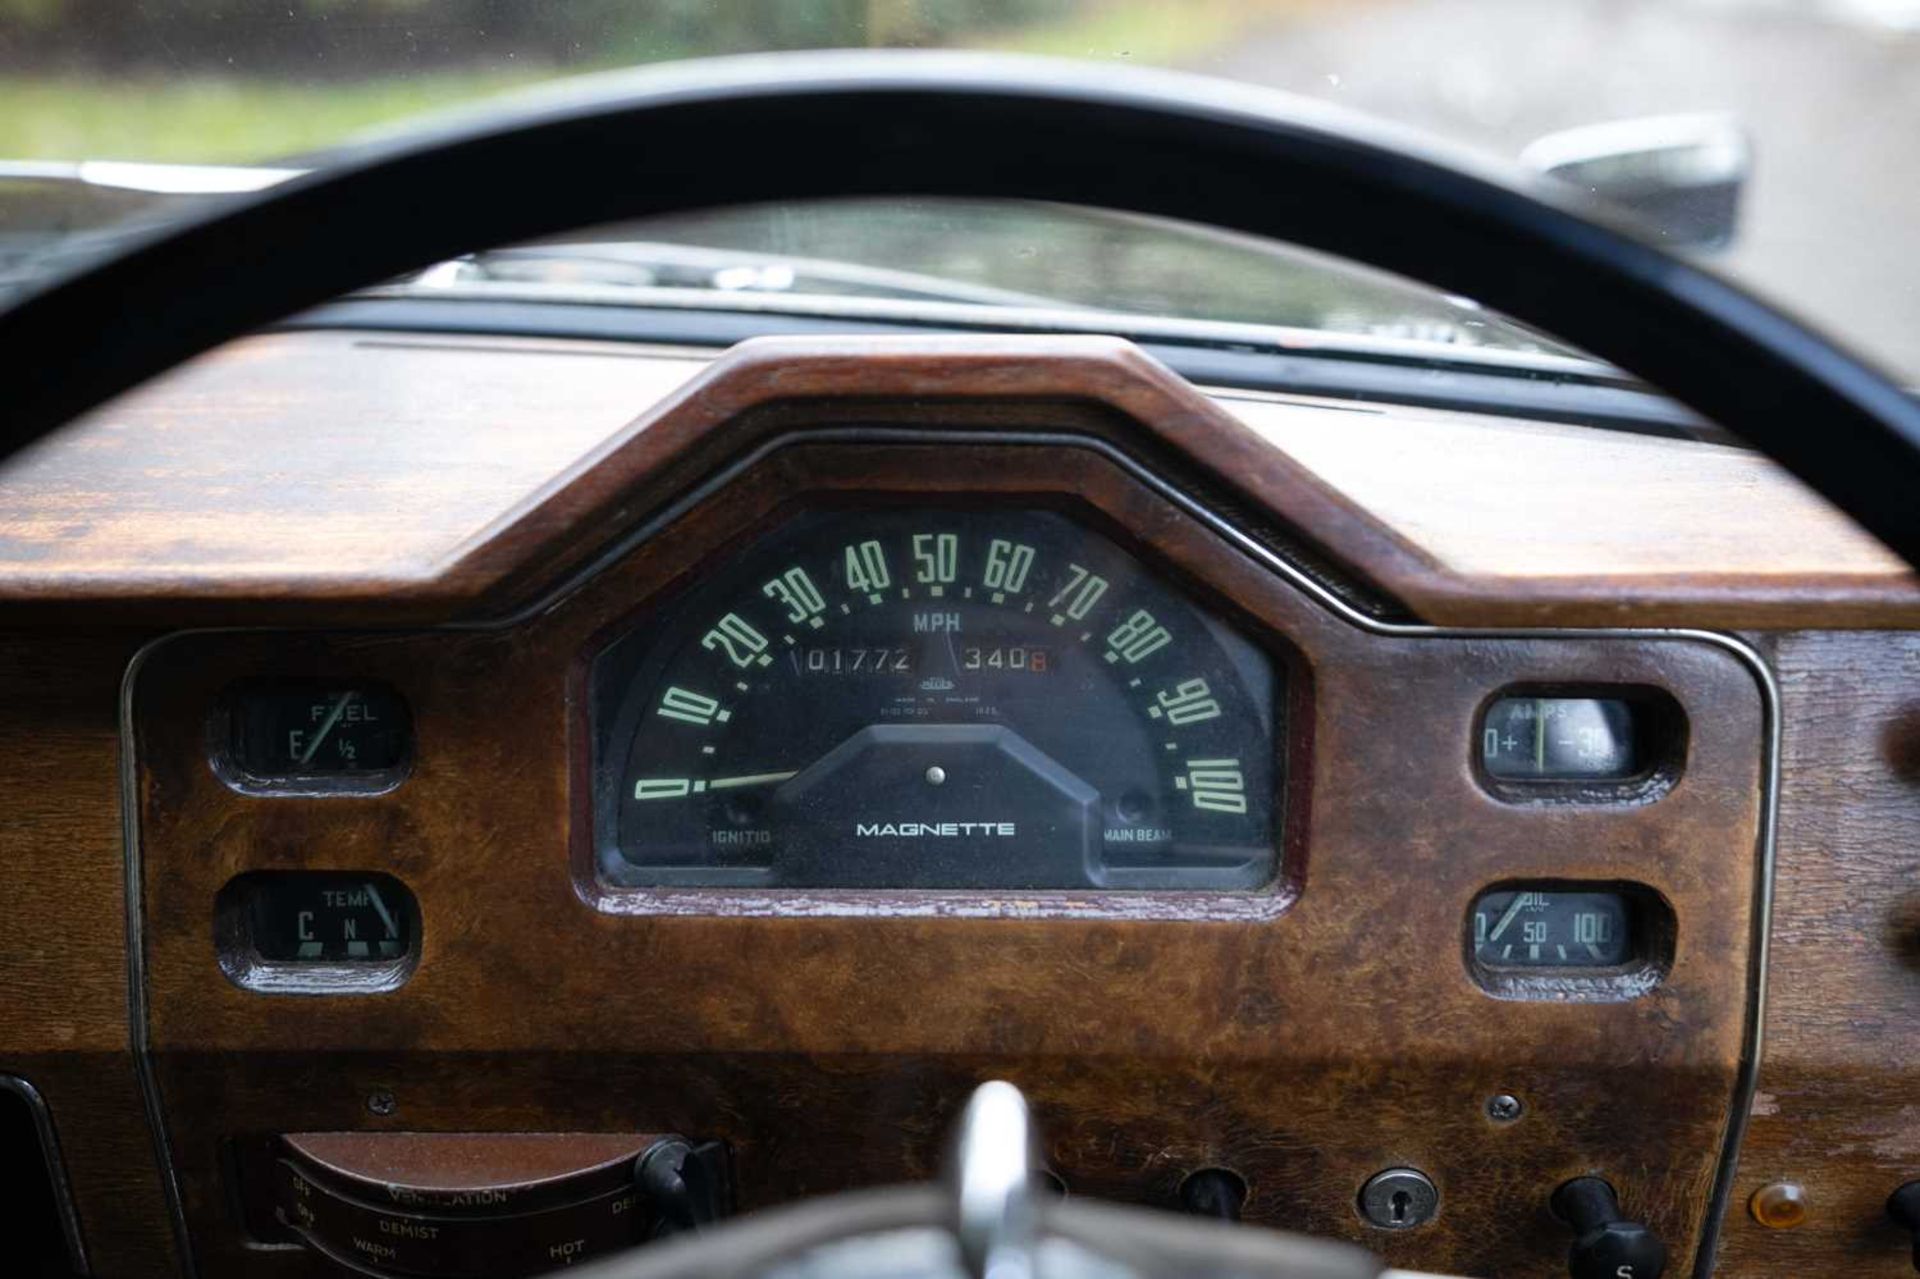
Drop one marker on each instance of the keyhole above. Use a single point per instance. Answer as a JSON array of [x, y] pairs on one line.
[[1398, 1199]]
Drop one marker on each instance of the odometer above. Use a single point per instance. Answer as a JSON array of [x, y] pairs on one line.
[[935, 698]]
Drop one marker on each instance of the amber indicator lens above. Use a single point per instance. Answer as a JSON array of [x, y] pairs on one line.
[[1552, 928], [319, 730], [1561, 739], [1781, 1205]]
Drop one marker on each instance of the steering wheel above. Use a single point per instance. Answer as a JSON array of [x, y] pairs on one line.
[[782, 127]]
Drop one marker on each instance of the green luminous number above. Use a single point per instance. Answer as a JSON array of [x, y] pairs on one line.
[[690, 707], [796, 590], [867, 567], [1008, 564], [743, 645], [1077, 598], [936, 556], [1188, 702], [1591, 928], [1136, 637], [1216, 785]]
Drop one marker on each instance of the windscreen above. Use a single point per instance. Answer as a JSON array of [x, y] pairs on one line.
[[1775, 134]]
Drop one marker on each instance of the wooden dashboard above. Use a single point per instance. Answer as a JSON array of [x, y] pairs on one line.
[[466, 522]]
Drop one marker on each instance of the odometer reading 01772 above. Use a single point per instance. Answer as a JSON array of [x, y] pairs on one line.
[[939, 699]]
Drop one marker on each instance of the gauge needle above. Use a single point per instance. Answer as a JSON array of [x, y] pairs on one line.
[[326, 726], [750, 779], [1518, 900], [386, 916]]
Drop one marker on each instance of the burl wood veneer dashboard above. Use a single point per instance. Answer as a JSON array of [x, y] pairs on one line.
[[423, 818]]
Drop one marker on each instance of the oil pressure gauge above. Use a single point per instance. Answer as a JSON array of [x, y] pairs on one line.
[[1569, 940], [1549, 928]]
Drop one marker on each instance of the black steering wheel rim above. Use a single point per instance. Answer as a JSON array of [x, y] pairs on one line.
[[781, 127]]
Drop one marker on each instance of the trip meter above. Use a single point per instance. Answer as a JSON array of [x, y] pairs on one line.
[[935, 698]]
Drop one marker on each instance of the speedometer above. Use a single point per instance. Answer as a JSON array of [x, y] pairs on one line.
[[935, 698]]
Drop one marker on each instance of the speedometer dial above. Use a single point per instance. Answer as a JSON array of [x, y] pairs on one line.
[[935, 698]]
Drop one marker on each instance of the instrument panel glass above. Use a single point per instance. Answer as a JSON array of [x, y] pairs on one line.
[[1548, 927], [935, 698], [1562, 739], [308, 736]]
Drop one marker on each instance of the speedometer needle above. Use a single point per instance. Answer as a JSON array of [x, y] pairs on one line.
[[750, 779]]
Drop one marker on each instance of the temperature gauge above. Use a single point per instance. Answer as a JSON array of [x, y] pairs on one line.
[[335, 736], [330, 918], [317, 930]]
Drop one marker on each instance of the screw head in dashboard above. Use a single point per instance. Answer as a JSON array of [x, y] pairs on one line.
[[381, 1102], [1504, 1108]]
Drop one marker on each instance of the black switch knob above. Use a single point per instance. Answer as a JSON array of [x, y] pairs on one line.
[[1903, 1205], [685, 1184], [1215, 1193], [1604, 1246]]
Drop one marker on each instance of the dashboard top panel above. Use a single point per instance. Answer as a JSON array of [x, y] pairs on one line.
[[365, 433]]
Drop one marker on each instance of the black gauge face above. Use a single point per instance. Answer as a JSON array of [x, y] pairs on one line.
[[324, 918], [1550, 928], [314, 730], [935, 698], [1561, 739]]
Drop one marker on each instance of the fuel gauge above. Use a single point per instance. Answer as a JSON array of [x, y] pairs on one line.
[[313, 736]]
